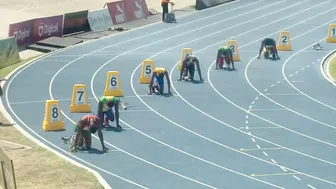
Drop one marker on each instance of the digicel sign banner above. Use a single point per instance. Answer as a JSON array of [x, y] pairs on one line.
[[30, 31], [22, 32], [47, 27]]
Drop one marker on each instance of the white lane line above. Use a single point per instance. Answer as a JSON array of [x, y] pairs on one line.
[[275, 109], [310, 186], [295, 112], [261, 149], [108, 62], [273, 161], [244, 110], [60, 154], [257, 128], [302, 93], [69, 99], [297, 178], [283, 94]]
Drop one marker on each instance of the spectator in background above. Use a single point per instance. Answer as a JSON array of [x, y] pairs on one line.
[[164, 4]]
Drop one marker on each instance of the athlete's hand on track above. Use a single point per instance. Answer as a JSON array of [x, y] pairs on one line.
[[258, 57]]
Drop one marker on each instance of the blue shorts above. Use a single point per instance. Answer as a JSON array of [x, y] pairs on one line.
[[160, 81], [109, 114]]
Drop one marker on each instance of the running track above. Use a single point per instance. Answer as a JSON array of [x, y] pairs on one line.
[[270, 124]]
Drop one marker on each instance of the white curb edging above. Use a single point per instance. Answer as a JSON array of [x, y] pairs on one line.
[[324, 67]]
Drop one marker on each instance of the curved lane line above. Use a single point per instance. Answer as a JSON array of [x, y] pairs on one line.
[[50, 85], [85, 43], [58, 148], [251, 107], [221, 122], [298, 90]]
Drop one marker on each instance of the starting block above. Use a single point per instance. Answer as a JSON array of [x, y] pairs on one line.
[[112, 85], [52, 117], [233, 44], [184, 53], [284, 42], [146, 71], [79, 100], [331, 38]]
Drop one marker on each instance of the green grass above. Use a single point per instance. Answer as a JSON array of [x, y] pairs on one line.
[[6, 70]]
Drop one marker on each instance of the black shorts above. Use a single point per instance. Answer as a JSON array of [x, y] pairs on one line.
[[190, 66], [269, 42]]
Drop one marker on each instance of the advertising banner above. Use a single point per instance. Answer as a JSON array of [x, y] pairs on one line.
[[127, 10], [136, 9], [47, 27], [22, 31], [75, 22], [203, 4], [99, 19], [9, 52], [117, 12]]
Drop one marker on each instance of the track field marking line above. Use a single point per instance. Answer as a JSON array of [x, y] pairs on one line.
[[297, 178], [260, 149], [69, 99], [298, 90], [273, 174], [244, 109], [257, 128], [136, 49], [152, 33], [263, 110], [215, 118], [283, 94], [291, 110], [60, 149], [98, 70]]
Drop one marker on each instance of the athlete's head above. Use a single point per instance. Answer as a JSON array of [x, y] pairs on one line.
[[225, 53], [94, 121], [111, 102], [160, 73]]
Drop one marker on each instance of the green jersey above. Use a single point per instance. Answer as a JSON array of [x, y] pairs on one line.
[[104, 101], [224, 49]]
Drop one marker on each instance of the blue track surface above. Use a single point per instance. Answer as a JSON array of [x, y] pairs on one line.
[[270, 124]]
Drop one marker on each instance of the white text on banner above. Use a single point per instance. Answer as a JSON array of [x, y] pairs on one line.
[[99, 19]]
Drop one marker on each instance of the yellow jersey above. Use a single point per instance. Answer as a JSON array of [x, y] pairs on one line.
[[104, 101]]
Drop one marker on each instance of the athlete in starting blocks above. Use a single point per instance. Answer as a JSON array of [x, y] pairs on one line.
[[105, 110], [157, 82], [269, 49], [188, 66], [224, 53], [87, 125]]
